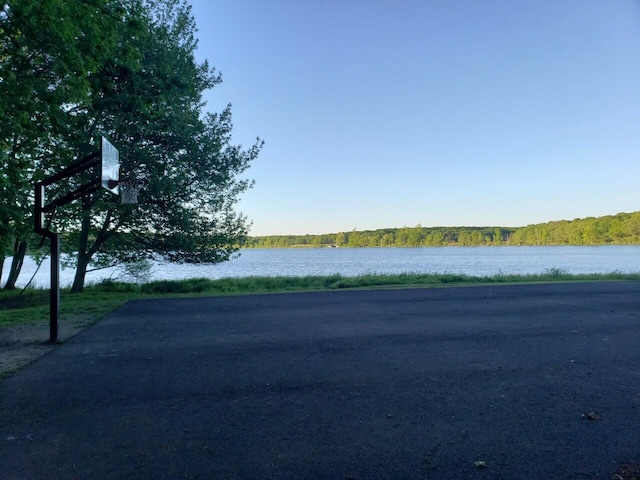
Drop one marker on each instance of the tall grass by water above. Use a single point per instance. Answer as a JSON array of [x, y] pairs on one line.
[[333, 282], [31, 305]]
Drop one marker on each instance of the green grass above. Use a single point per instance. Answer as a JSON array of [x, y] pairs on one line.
[[32, 305]]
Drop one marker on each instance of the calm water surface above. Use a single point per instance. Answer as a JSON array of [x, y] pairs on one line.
[[478, 261]]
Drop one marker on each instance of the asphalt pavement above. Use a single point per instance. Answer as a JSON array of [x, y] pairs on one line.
[[505, 382]]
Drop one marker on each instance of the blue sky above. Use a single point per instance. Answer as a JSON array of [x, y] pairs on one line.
[[381, 113]]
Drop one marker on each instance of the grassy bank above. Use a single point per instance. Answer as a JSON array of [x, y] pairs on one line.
[[32, 305]]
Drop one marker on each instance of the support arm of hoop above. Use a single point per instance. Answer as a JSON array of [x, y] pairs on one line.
[[42, 208], [81, 165], [39, 216], [81, 191]]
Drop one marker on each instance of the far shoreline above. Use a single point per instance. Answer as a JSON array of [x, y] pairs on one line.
[[244, 247]]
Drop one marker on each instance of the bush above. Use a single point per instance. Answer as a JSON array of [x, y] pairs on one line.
[[192, 285], [110, 285]]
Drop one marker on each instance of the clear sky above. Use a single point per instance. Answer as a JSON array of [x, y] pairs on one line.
[[383, 113]]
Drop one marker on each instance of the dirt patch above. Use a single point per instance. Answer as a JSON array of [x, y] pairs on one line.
[[21, 345]]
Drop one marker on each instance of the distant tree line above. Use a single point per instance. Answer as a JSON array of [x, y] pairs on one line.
[[620, 229]]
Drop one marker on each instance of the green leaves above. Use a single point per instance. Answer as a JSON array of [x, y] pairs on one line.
[[73, 70], [48, 51], [154, 115]]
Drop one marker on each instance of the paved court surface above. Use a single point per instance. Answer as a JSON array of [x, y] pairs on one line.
[[537, 382]]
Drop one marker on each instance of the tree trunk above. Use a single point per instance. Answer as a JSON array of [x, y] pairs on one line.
[[16, 264], [85, 252], [81, 272], [84, 255]]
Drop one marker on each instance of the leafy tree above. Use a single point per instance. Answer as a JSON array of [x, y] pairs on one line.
[[341, 239], [402, 236], [415, 236], [435, 238], [48, 49], [73, 70], [151, 108], [387, 240], [497, 236], [633, 227], [355, 239]]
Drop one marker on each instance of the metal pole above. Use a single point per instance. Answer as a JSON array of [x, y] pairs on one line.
[[82, 165], [54, 282], [54, 289]]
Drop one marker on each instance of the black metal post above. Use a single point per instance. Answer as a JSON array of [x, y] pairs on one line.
[[54, 289], [41, 208], [54, 284]]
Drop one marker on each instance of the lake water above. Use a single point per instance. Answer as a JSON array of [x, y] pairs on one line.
[[477, 261]]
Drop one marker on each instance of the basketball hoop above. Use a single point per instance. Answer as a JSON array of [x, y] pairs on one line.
[[129, 191]]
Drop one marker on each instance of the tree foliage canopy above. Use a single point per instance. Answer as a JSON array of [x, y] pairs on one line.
[[48, 51], [75, 70]]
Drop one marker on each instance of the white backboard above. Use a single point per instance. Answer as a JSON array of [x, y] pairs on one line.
[[110, 166]]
